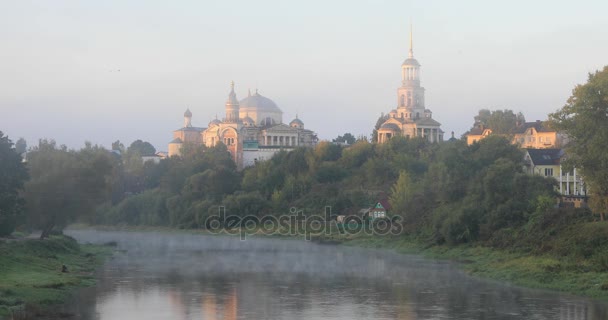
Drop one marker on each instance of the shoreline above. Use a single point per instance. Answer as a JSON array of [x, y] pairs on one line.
[[514, 267], [33, 281], [517, 268]]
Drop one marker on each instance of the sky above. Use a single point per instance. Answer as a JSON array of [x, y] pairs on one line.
[[102, 71]]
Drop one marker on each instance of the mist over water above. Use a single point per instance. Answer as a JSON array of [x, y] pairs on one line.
[[180, 276]]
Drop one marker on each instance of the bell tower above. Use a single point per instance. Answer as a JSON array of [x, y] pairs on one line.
[[232, 106], [411, 95]]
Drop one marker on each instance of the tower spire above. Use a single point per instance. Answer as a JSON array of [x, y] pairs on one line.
[[411, 53]]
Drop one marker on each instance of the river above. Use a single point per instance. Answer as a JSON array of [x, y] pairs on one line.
[[182, 276]]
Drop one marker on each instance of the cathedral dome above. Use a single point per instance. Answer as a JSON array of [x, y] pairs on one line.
[[214, 123], [258, 103], [296, 123], [411, 62]]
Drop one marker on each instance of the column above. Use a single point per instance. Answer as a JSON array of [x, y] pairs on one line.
[[568, 183], [561, 181], [574, 181]]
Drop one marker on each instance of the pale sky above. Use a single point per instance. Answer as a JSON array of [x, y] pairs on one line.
[[336, 63]]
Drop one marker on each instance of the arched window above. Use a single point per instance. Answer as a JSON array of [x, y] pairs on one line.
[[409, 99], [402, 103]]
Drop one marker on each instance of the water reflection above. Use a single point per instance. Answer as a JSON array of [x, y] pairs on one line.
[[161, 276]]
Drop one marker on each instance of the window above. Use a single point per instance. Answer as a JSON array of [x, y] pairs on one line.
[[548, 172]]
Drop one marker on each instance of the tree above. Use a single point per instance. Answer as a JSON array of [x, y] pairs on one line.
[[118, 146], [379, 122], [584, 120], [65, 184], [347, 138], [144, 148], [500, 121], [12, 176]]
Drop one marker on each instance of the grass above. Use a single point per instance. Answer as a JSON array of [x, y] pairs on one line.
[[542, 271], [31, 274]]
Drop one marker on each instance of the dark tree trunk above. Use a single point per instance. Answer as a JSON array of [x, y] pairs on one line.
[[46, 231]]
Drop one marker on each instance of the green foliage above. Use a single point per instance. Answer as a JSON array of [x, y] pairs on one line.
[[147, 208], [347, 138], [402, 194], [247, 204], [500, 121], [64, 184], [12, 176], [330, 172], [450, 193], [143, 148], [584, 119]]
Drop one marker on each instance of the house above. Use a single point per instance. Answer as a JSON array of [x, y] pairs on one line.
[[378, 210], [535, 135], [547, 162]]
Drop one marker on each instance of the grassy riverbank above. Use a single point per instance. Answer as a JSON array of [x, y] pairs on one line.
[[31, 276], [583, 277]]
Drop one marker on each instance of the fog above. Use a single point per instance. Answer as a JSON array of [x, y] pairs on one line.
[[185, 276], [102, 71]]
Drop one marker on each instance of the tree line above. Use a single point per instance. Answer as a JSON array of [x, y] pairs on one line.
[[447, 193]]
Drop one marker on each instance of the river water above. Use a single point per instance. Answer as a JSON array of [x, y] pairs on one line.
[[180, 276]]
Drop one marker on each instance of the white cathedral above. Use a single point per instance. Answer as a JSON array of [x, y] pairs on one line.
[[252, 130], [410, 118]]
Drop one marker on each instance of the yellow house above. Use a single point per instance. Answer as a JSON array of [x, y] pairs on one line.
[[533, 135], [547, 162], [536, 135], [476, 134]]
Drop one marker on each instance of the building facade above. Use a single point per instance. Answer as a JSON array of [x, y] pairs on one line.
[[547, 163], [252, 130], [534, 135], [411, 118]]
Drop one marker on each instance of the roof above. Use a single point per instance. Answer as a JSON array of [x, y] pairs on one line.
[[476, 131], [411, 62], [390, 126], [257, 102], [296, 120], [281, 127], [545, 157], [537, 125], [385, 203], [247, 120], [176, 140], [191, 129], [188, 113], [427, 122]]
